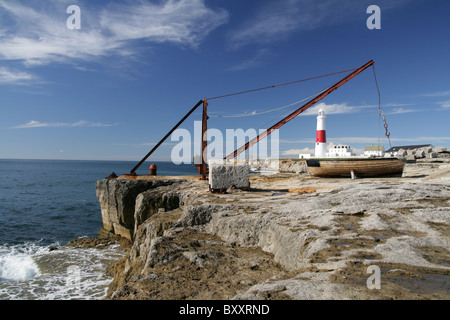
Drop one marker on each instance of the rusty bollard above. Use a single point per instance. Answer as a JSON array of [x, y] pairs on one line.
[[153, 169]]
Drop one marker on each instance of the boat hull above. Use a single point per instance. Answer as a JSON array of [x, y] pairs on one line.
[[362, 167]]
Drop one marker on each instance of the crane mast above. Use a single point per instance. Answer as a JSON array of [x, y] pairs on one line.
[[299, 110]]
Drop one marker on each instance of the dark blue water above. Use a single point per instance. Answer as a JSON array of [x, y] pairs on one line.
[[45, 203], [55, 201]]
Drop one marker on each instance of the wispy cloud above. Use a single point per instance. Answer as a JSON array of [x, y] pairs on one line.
[[445, 105], [374, 140], [257, 60], [35, 33], [335, 108], [402, 110], [14, 77], [277, 20], [437, 94], [81, 123], [297, 141], [397, 104], [185, 22], [296, 152]]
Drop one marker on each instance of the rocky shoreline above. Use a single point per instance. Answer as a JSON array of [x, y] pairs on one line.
[[291, 236]]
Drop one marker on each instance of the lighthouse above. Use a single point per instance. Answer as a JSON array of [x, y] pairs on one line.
[[321, 138]]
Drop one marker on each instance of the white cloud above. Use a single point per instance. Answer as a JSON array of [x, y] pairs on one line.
[[255, 61], [8, 76], [183, 21], [334, 108], [277, 20], [81, 123], [372, 140], [37, 33], [297, 141], [296, 152], [402, 110], [397, 104], [437, 94], [445, 105]]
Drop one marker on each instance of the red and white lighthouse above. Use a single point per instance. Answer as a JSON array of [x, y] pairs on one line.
[[321, 137]]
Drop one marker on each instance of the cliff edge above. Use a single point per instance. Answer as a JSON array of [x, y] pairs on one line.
[[291, 236]]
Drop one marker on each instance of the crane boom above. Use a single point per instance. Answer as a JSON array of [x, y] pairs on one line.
[[298, 111]]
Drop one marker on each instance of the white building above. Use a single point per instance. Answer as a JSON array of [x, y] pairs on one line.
[[340, 151]]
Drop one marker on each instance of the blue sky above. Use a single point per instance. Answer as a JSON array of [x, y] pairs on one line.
[[112, 89]]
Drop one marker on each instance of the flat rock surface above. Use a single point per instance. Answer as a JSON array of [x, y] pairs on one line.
[[293, 236]]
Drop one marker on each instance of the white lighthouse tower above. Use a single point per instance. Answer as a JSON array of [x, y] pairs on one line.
[[321, 138]]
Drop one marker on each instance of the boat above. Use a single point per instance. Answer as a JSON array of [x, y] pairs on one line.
[[355, 167]]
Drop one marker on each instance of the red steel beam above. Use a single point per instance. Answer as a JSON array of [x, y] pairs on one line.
[[133, 171], [300, 110], [204, 144]]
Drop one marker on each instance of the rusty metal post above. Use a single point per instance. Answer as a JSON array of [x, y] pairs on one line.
[[203, 168], [133, 171]]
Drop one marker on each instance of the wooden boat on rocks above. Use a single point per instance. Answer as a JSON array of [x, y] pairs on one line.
[[355, 167]]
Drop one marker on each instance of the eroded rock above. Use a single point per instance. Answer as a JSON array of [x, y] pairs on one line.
[[315, 245]]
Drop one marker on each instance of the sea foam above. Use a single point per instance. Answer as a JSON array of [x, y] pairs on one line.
[[17, 263], [35, 272]]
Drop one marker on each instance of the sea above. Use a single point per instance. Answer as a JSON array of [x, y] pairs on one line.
[[44, 204]]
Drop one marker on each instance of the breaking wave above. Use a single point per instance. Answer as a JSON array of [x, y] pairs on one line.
[[34, 272]]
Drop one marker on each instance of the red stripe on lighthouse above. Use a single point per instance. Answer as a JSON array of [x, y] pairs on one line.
[[321, 136]]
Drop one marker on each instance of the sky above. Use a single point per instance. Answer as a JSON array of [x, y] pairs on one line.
[[109, 81]]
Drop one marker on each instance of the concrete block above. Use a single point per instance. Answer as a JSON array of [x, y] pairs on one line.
[[226, 174]]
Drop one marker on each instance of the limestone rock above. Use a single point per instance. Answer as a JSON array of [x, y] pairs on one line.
[[225, 175], [419, 154], [117, 201], [402, 152], [295, 166], [323, 240], [153, 201], [439, 149]]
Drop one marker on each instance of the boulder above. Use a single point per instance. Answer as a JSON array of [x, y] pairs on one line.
[[402, 152], [419, 154], [117, 202], [439, 149]]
